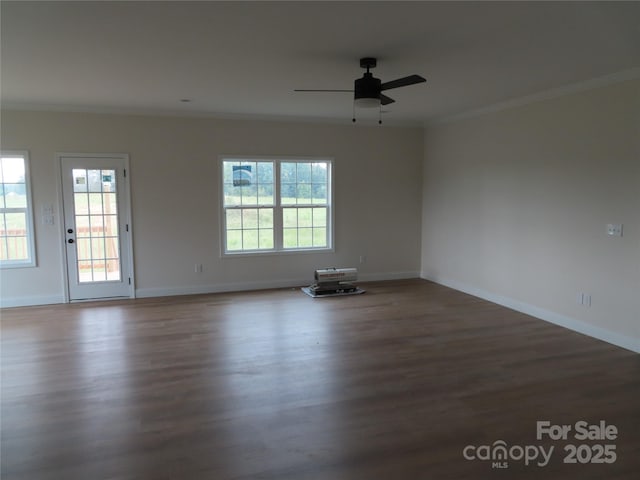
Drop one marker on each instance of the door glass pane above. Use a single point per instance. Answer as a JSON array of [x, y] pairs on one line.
[[84, 248], [84, 272], [99, 271], [96, 222], [109, 201], [108, 181], [81, 203], [97, 225], [79, 180], [4, 249], [95, 181], [97, 248], [83, 228], [112, 249], [113, 269], [111, 225], [95, 203]]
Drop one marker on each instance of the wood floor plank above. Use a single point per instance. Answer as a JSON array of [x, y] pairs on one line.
[[275, 385]]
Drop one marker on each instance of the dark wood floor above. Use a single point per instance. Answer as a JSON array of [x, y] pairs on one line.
[[392, 384]]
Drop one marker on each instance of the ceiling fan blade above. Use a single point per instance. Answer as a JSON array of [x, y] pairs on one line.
[[402, 82], [384, 100], [306, 90]]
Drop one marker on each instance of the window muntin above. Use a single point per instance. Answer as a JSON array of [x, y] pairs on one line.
[[274, 205], [16, 215]]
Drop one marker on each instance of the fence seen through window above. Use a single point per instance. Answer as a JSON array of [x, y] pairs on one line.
[[16, 242]]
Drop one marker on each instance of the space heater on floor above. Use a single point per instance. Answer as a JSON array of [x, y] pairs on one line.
[[331, 282]]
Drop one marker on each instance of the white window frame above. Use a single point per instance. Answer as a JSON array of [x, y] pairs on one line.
[[277, 206], [28, 210]]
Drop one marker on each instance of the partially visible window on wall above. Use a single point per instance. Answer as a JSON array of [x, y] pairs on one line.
[[276, 205], [16, 214]]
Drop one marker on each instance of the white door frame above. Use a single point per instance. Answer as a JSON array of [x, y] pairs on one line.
[[126, 192]]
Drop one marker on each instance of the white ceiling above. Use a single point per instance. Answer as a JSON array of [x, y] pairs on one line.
[[246, 58]]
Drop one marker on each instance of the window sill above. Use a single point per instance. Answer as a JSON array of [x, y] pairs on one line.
[[14, 265], [258, 253]]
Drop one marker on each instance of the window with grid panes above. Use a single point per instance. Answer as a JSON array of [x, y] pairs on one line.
[[276, 205], [16, 214]]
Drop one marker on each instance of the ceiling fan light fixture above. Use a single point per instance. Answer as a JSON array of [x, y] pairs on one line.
[[367, 102]]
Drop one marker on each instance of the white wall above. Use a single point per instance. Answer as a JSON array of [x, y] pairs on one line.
[[515, 205], [175, 198]]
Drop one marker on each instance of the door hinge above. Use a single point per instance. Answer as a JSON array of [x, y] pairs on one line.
[[127, 227], [125, 173], [129, 280]]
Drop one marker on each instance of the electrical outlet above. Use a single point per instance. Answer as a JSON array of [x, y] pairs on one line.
[[614, 229], [583, 299], [198, 268], [363, 259]]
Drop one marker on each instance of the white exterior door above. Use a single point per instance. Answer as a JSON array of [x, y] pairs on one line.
[[96, 226]]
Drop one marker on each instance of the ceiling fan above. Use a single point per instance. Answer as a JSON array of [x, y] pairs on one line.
[[367, 91]]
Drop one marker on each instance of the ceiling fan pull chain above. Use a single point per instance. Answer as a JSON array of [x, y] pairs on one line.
[[380, 115], [354, 111]]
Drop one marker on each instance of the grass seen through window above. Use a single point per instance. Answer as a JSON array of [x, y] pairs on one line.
[[276, 205]]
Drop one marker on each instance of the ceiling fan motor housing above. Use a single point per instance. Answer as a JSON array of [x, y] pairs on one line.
[[367, 87]]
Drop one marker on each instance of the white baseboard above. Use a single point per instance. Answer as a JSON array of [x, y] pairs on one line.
[[381, 277], [217, 288], [260, 285], [30, 301], [570, 323]]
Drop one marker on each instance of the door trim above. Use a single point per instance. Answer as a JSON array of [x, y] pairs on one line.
[[61, 221]]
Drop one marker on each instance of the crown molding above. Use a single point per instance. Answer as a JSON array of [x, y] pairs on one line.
[[611, 79]]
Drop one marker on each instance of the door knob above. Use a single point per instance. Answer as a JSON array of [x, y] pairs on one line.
[[70, 230], [70, 240]]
